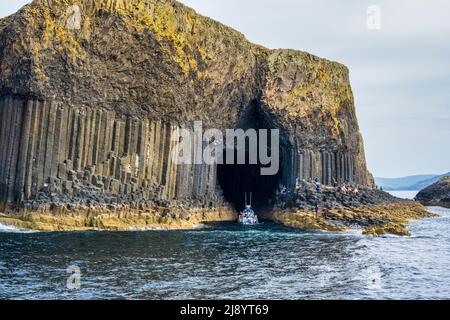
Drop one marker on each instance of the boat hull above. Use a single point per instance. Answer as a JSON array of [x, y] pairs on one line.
[[248, 221]]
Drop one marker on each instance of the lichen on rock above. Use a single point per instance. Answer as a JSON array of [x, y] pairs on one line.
[[373, 220]]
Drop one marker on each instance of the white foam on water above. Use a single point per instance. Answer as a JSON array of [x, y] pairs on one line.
[[439, 210], [10, 229], [145, 229]]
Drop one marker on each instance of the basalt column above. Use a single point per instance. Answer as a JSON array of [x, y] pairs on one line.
[[328, 166], [51, 147]]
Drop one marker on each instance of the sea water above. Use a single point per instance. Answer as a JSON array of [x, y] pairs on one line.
[[228, 261], [405, 194]]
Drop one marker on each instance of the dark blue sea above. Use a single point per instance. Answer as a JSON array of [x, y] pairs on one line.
[[227, 261]]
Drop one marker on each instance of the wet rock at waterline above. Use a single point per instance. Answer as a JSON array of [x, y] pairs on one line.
[[373, 211]]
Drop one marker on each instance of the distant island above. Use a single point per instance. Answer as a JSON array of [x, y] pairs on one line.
[[417, 182]]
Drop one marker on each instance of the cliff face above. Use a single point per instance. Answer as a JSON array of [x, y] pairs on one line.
[[88, 109], [438, 194]]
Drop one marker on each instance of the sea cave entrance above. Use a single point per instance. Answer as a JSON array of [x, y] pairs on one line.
[[237, 179]]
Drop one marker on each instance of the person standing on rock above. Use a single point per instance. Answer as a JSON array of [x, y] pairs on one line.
[[318, 186], [317, 210]]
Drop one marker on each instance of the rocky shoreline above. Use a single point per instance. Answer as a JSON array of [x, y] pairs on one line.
[[86, 206], [120, 219], [373, 220], [375, 212]]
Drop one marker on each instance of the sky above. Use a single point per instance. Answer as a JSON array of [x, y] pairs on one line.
[[399, 70]]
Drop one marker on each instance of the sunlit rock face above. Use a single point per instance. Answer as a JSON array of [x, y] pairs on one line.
[[92, 91]]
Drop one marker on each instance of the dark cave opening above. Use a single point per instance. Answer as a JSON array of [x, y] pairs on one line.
[[237, 179]]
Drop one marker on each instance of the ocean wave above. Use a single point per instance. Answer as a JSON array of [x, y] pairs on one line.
[[439, 210], [10, 229]]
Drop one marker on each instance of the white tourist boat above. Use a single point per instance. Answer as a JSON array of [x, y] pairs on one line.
[[248, 216]]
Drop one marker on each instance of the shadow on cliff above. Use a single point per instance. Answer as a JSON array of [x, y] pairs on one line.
[[238, 179]]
